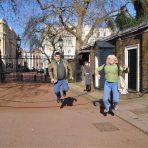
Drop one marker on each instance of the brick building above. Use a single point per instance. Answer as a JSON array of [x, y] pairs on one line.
[[131, 48]]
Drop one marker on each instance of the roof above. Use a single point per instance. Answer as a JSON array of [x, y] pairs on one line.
[[88, 45], [98, 43], [103, 44], [127, 31]]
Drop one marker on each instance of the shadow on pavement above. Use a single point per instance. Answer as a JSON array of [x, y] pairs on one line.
[[100, 104], [68, 102], [102, 107]]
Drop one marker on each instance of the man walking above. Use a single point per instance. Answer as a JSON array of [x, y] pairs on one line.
[[58, 70]]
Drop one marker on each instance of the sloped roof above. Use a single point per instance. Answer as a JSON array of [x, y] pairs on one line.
[[127, 31], [88, 45], [103, 44]]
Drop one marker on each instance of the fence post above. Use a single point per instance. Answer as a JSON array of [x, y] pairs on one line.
[[45, 77], [21, 77], [34, 77]]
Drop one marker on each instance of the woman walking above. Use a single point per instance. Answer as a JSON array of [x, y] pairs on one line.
[[87, 76]]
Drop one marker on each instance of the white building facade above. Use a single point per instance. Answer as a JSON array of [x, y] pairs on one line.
[[8, 45], [39, 58], [69, 42]]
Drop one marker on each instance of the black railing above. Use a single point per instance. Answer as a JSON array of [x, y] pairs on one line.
[[22, 73]]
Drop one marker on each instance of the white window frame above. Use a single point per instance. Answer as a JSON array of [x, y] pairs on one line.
[[96, 66]]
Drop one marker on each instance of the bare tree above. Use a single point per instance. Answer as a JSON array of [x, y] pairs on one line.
[[52, 34], [74, 14], [41, 31]]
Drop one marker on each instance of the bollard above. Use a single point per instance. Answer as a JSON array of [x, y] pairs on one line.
[[45, 78], [17, 76], [34, 77], [21, 77]]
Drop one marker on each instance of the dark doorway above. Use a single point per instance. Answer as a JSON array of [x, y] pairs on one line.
[[132, 63]]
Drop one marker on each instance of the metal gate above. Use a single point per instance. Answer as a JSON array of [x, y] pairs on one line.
[[24, 69]]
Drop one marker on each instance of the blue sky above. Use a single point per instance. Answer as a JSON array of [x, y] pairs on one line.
[[18, 20]]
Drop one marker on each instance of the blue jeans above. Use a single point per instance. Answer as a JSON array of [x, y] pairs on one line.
[[58, 85], [108, 87]]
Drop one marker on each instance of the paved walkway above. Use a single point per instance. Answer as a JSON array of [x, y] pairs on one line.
[[30, 117], [132, 108]]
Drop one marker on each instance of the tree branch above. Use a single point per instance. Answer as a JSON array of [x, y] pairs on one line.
[[45, 7], [48, 6], [97, 22], [66, 27]]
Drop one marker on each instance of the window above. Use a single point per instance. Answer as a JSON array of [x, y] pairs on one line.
[[68, 41], [69, 51], [104, 33], [98, 34]]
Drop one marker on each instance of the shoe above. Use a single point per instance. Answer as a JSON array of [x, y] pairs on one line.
[[106, 110], [105, 114], [64, 93], [58, 97], [111, 112], [116, 107], [58, 100], [88, 90]]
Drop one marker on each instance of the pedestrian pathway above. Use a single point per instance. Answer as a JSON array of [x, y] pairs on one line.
[[31, 110], [37, 96], [132, 107]]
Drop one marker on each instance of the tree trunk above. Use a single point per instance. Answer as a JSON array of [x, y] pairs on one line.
[[76, 61], [141, 8]]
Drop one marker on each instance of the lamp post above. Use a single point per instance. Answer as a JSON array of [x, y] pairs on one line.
[[61, 46], [18, 44]]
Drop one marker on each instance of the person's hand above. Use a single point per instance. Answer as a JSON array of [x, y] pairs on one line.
[[52, 80], [71, 78], [125, 66], [98, 76]]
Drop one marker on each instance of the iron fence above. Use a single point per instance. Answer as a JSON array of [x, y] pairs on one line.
[[24, 69]]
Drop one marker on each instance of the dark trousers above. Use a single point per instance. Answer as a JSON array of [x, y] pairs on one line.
[[88, 87]]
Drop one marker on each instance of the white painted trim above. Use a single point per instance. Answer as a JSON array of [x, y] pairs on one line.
[[96, 79], [127, 48]]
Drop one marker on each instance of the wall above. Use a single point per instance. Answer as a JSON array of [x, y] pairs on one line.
[[145, 60], [140, 38]]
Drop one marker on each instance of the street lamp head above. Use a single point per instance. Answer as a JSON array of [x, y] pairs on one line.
[[18, 41], [60, 42]]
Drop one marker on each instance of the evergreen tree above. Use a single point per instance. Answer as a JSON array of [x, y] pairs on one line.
[[124, 20]]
